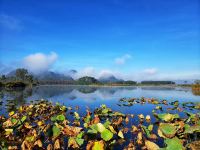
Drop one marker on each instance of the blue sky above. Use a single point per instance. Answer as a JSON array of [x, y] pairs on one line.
[[140, 39]]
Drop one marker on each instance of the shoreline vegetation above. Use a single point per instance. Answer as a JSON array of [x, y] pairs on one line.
[[22, 78], [44, 125]]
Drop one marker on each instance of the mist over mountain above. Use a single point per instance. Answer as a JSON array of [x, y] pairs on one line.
[[109, 78], [50, 75]]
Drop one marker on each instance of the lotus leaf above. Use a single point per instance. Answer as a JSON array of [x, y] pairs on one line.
[[76, 115], [71, 131], [174, 144], [56, 131], [151, 145], [72, 143], [120, 134], [192, 129], [57, 144], [166, 130], [168, 117], [106, 134], [95, 145], [100, 127]]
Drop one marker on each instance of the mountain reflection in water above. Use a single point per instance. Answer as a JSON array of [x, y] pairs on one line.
[[89, 95]]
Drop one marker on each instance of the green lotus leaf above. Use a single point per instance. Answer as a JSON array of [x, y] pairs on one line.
[[192, 129], [100, 127], [79, 141], [14, 121], [87, 119], [150, 127], [91, 131], [56, 131], [107, 123], [167, 130], [106, 135], [60, 117], [174, 144], [80, 135], [23, 119], [146, 130], [94, 127], [76, 115], [118, 114], [168, 117]]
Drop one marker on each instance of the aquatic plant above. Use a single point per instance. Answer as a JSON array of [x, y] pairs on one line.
[[44, 125]]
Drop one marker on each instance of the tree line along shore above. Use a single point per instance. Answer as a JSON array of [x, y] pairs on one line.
[[22, 78]]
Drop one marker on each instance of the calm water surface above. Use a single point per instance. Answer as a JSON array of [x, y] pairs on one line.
[[94, 96]]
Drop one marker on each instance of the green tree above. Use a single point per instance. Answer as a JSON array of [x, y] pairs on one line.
[[21, 73], [197, 81], [87, 80], [3, 77]]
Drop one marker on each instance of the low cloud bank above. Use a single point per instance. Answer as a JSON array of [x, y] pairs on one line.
[[39, 62]]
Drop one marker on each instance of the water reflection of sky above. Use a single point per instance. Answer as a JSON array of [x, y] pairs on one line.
[[89, 94], [95, 96]]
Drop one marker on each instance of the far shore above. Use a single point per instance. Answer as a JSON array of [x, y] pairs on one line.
[[92, 85]]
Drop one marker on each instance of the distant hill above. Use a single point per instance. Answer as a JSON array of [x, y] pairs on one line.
[[184, 81], [50, 75], [11, 74], [109, 79]]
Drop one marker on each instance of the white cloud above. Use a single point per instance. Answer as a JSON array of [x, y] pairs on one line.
[[105, 73], [88, 71], [39, 62], [122, 60], [151, 71]]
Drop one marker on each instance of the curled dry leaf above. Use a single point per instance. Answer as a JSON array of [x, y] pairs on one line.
[[12, 148], [127, 120], [38, 143], [57, 144], [71, 131], [26, 145], [195, 145], [151, 145], [118, 122], [50, 147], [141, 116], [148, 118], [72, 143], [95, 145], [120, 134], [95, 120], [134, 128], [139, 138], [130, 146]]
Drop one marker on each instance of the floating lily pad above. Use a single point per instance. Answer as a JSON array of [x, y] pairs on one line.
[[106, 135], [168, 117], [56, 131], [174, 144], [166, 130], [192, 129]]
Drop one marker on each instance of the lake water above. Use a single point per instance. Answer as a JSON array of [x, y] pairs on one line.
[[92, 97]]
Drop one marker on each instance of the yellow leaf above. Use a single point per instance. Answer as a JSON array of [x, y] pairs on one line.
[[57, 144], [120, 134], [151, 146]]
